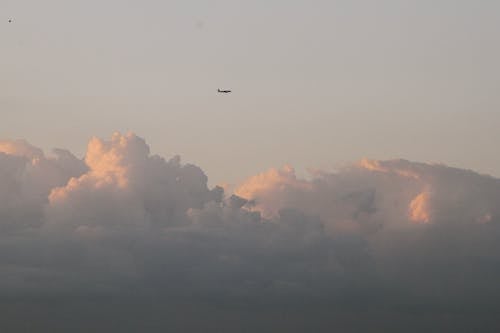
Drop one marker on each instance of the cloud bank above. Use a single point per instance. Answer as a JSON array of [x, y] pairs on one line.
[[381, 234]]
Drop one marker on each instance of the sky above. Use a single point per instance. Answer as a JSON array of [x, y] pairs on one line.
[[356, 157], [315, 84]]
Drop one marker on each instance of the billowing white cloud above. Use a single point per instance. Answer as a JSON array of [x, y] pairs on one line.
[[123, 218], [26, 178], [388, 193]]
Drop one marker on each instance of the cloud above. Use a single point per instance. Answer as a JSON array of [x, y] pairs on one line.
[[26, 178], [419, 210], [430, 231], [388, 192], [122, 219]]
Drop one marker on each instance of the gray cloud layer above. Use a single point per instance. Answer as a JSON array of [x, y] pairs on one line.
[[385, 235]]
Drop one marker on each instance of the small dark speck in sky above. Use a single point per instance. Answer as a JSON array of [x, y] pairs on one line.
[[200, 24]]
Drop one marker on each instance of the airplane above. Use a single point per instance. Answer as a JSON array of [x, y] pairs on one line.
[[223, 91]]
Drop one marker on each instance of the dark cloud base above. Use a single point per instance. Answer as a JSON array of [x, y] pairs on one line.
[[204, 314]]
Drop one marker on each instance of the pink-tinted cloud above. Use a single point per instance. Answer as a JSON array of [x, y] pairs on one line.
[[124, 217]]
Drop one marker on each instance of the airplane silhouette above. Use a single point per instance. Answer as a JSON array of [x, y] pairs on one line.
[[223, 91]]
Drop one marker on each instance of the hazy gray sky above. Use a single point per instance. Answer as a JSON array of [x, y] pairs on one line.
[[316, 83]]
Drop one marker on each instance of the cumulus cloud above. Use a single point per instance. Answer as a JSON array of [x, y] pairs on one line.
[[428, 230], [391, 192], [26, 178], [123, 219]]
